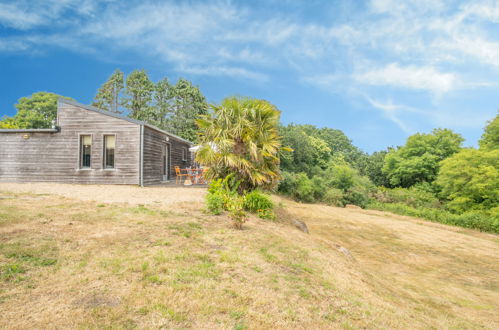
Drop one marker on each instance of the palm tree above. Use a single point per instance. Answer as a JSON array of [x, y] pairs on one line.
[[240, 137]]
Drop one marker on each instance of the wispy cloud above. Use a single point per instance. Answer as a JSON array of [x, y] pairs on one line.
[[385, 49], [412, 77]]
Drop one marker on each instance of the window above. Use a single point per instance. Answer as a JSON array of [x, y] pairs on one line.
[[184, 154], [85, 151], [109, 146]]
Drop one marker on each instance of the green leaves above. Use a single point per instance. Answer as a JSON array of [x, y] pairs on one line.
[[490, 137], [470, 180], [241, 137], [109, 95], [172, 107], [35, 111], [418, 160]]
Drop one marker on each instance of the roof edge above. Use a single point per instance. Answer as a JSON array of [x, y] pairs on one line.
[[29, 130], [119, 116]]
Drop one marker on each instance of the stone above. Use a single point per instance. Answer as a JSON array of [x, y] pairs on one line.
[[300, 225], [346, 252]]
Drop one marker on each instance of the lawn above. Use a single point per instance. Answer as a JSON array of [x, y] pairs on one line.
[[157, 260]]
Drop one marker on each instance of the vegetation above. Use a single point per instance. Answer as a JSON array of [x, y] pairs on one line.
[[240, 138], [36, 111], [431, 176], [172, 107], [419, 159], [223, 196]]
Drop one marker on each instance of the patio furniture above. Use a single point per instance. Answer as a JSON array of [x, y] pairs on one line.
[[201, 176], [179, 174]]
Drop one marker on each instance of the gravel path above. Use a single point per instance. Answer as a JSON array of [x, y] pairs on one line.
[[111, 193]]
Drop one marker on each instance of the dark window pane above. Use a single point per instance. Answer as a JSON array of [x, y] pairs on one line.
[[86, 150]]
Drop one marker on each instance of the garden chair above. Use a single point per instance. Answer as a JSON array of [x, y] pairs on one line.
[[179, 174]]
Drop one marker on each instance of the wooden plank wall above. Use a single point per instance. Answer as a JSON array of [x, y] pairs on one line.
[[154, 142], [54, 157]]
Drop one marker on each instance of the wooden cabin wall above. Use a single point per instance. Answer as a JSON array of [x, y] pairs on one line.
[[54, 157], [154, 143]]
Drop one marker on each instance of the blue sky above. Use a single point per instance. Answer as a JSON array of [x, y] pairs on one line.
[[379, 70]]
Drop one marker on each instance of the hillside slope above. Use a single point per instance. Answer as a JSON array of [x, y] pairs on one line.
[[76, 256]]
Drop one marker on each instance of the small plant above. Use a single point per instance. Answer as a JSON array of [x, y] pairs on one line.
[[266, 214], [235, 206]]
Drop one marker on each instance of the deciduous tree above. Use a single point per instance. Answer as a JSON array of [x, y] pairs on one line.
[[418, 160], [36, 111]]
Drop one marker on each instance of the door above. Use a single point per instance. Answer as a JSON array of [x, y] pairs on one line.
[[166, 163]]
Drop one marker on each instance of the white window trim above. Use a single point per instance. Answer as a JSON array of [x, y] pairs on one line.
[[184, 154]]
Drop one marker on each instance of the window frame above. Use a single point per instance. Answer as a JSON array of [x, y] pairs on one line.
[[80, 151], [184, 154], [104, 151]]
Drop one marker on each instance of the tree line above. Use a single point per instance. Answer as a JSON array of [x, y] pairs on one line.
[[173, 107]]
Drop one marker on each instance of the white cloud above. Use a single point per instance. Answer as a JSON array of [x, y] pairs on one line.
[[18, 17], [412, 77], [391, 112], [224, 71]]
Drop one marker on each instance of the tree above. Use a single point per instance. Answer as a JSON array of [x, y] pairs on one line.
[[470, 179], [240, 137], [138, 96], [314, 147], [490, 137], [36, 111], [418, 160], [8, 123], [188, 104], [374, 168], [109, 94], [163, 98]]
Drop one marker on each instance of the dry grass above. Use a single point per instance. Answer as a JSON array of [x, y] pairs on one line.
[[158, 261]]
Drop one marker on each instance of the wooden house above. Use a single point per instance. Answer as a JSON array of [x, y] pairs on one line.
[[91, 146]]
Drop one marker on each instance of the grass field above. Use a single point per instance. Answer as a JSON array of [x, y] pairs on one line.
[[159, 261]]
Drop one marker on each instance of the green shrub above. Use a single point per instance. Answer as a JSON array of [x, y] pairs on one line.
[[356, 196], [482, 220], [413, 197], [334, 197], [259, 203], [215, 203], [256, 200]]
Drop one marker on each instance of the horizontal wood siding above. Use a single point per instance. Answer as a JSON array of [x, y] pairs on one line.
[[54, 157], [154, 143]]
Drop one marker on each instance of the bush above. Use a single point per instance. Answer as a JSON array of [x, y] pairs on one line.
[[223, 196], [334, 197], [256, 200], [259, 203], [215, 203], [413, 197], [356, 196], [220, 192], [481, 220]]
